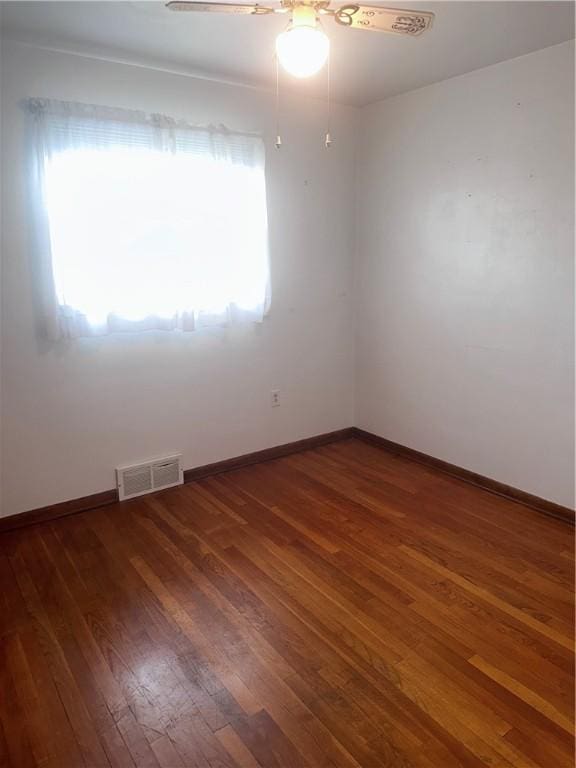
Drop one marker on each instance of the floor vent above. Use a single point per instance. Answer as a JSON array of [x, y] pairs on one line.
[[138, 479]]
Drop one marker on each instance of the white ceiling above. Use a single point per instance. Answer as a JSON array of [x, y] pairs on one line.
[[366, 66]]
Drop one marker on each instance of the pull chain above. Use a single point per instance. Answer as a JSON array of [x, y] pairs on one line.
[[278, 137], [328, 140]]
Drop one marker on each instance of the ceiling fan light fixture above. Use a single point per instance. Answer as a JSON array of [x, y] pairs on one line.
[[303, 48]]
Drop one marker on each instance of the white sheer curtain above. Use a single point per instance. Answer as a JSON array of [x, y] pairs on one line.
[[144, 222]]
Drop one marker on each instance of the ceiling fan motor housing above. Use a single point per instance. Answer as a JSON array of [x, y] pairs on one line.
[[304, 16], [316, 4]]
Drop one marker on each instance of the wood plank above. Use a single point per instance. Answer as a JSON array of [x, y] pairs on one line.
[[530, 697], [236, 748]]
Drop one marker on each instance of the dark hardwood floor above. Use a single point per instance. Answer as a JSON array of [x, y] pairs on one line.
[[339, 607]]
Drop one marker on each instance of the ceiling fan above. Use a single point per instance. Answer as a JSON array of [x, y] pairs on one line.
[[303, 47]]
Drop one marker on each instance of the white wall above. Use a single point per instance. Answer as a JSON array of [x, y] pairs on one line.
[[465, 346], [464, 288], [72, 413]]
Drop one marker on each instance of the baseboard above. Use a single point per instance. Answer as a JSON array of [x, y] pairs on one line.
[[87, 503], [53, 511], [267, 454], [544, 506]]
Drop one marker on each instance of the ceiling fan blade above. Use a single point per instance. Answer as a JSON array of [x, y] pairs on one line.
[[373, 17], [188, 5]]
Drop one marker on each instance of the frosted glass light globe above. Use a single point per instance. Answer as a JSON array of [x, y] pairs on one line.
[[302, 50]]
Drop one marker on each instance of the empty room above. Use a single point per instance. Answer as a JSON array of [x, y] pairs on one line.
[[287, 384]]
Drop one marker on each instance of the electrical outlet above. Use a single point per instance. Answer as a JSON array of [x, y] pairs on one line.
[[275, 398]]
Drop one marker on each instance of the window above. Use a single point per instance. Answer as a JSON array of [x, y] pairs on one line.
[[149, 223]]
